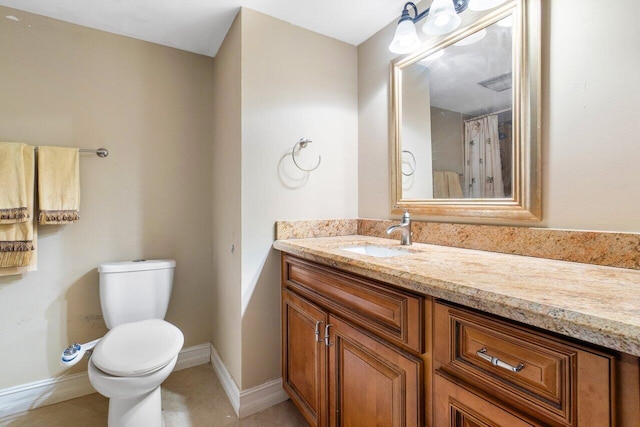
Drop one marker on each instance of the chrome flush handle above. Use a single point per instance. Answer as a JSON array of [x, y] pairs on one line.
[[482, 353]]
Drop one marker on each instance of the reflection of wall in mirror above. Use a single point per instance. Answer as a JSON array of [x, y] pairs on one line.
[[416, 136], [447, 133], [506, 151]]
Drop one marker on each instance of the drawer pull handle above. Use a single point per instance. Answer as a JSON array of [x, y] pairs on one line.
[[482, 353], [326, 335], [318, 323]]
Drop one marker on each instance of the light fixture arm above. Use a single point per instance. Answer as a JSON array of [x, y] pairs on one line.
[[442, 18], [459, 5]]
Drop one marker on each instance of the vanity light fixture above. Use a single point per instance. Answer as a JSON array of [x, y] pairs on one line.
[[441, 18]]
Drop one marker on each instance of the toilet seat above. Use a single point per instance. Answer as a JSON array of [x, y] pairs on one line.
[[138, 348]]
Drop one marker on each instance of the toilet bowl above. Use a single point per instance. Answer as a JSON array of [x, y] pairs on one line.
[[140, 350], [128, 365]]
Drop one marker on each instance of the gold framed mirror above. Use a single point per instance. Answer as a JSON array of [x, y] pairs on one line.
[[465, 120]]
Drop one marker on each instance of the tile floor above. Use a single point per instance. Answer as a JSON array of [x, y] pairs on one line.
[[191, 397]]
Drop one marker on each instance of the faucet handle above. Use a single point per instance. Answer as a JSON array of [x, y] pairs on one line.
[[406, 214]]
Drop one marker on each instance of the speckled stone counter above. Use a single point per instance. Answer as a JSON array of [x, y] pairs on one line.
[[596, 304]]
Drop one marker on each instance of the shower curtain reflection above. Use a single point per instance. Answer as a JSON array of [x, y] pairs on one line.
[[483, 177]]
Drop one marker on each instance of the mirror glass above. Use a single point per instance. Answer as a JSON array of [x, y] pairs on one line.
[[462, 111], [457, 117]]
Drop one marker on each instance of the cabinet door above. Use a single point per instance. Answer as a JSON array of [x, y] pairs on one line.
[[304, 357], [456, 406], [371, 383]]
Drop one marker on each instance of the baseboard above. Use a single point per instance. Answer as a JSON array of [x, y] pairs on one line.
[[24, 397], [261, 397], [41, 393], [253, 400], [228, 384], [193, 356]]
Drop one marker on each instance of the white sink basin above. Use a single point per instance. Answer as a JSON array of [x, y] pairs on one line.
[[377, 251]]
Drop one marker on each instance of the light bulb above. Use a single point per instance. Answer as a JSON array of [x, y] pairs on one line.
[[442, 18], [405, 39]]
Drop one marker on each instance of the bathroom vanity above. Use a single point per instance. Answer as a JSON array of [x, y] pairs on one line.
[[441, 336]]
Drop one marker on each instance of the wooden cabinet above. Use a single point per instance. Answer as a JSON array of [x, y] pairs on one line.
[[370, 382], [352, 348], [359, 352], [521, 370], [392, 314], [457, 406], [304, 367]]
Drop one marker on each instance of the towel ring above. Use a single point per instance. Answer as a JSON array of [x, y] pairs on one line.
[[303, 142], [413, 169]]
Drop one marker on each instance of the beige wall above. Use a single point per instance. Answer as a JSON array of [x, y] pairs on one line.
[[199, 163], [416, 137], [274, 84], [227, 136], [590, 103], [295, 83], [67, 85], [374, 189], [448, 137]]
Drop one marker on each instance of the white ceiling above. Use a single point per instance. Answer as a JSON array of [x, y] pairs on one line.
[[199, 26], [454, 78]]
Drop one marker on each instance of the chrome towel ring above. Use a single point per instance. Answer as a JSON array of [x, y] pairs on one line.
[[303, 142], [412, 167]]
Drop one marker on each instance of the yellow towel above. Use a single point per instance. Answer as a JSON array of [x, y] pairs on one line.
[[17, 240], [13, 192], [58, 185]]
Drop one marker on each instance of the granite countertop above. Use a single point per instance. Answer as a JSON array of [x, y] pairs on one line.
[[599, 305]]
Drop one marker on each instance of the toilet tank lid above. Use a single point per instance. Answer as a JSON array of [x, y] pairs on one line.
[[137, 265]]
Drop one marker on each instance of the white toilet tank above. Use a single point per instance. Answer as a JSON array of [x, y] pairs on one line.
[[135, 290]]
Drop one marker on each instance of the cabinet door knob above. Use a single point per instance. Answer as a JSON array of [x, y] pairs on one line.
[[318, 323], [482, 353], [326, 335]]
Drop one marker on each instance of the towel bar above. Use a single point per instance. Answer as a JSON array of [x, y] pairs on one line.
[[100, 152]]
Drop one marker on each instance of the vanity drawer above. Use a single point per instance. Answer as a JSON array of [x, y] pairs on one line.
[[456, 406], [388, 312], [555, 380]]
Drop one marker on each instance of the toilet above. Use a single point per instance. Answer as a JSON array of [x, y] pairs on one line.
[[140, 350]]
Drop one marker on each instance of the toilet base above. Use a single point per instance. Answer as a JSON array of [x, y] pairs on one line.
[[133, 401], [141, 410]]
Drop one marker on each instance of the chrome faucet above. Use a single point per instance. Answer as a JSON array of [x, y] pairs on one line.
[[404, 227]]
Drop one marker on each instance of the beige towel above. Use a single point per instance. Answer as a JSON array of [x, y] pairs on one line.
[[13, 192], [446, 185], [58, 185], [440, 189], [453, 184], [17, 240]]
